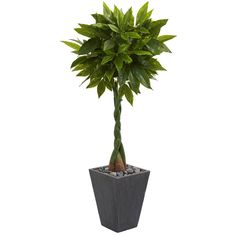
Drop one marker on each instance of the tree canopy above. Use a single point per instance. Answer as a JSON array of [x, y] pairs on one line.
[[120, 48]]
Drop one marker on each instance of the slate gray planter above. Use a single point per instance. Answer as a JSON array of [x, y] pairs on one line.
[[119, 199]]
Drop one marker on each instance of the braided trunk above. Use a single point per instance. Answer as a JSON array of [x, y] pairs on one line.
[[117, 161]]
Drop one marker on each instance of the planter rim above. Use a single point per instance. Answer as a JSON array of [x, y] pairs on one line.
[[119, 177]]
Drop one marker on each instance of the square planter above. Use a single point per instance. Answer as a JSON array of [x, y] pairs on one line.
[[119, 199]]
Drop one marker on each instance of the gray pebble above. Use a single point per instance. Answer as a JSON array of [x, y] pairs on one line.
[[136, 170], [130, 171]]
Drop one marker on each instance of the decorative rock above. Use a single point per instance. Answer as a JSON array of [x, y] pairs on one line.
[[130, 171], [113, 173], [119, 174]]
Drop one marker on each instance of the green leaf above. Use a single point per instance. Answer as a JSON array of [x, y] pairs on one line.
[[142, 14], [141, 52], [79, 67], [164, 48], [122, 77], [85, 72], [85, 61], [148, 15], [121, 91], [142, 76], [101, 26], [153, 45], [134, 83], [125, 90], [108, 44], [109, 73], [79, 60], [118, 15], [155, 26], [98, 73], [75, 52], [72, 45], [156, 65], [164, 38], [123, 48], [144, 30], [119, 62], [107, 59], [114, 28], [91, 31], [108, 84], [128, 19], [106, 10], [93, 82], [89, 46], [140, 43], [100, 18], [160, 22], [109, 52], [157, 47], [101, 88], [129, 95], [126, 58], [133, 35], [124, 36], [85, 32]]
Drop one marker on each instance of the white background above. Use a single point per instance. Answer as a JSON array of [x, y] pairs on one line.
[[52, 131]]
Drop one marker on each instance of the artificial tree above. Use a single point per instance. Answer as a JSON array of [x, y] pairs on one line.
[[119, 55]]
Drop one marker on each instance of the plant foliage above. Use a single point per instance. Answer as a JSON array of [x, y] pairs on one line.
[[120, 49]]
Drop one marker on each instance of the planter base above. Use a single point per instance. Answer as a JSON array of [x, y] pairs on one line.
[[119, 199]]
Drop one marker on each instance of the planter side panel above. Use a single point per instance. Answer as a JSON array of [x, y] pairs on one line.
[[130, 194], [104, 191]]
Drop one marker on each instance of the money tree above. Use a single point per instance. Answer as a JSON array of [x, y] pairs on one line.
[[119, 54]]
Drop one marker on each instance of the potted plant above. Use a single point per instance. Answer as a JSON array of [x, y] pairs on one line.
[[119, 55]]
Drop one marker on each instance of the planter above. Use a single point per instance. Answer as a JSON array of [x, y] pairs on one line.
[[119, 199]]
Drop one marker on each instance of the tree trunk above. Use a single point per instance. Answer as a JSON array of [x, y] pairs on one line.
[[117, 161]]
